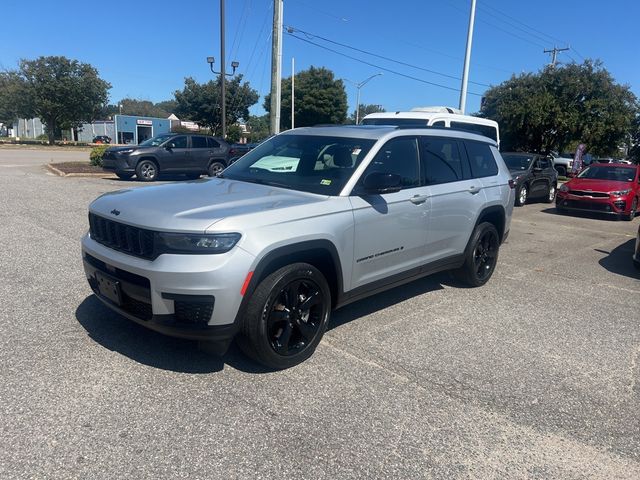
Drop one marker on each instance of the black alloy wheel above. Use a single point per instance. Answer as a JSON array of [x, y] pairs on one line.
[[485, 255], [295, 317], [286, 316], [481, 256]]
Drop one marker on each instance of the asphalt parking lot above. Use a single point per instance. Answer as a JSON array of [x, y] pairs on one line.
[[535, 375]]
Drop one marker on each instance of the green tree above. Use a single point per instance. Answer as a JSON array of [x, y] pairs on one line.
[[365, 109], [62, 92], [320, 98], [200, 102], [11, 86], [559, 107], [258, 127]]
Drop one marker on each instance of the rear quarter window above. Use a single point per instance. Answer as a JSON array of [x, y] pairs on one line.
[[483, 130], [481, 159]]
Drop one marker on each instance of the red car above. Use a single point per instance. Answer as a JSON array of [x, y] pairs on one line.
[[612, 188]]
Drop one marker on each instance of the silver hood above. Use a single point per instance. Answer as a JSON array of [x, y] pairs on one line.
[[194, 206]]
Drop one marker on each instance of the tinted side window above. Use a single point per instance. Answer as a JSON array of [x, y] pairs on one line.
[[198, 142], [211, 143], [481, 159], [544, 163], [442, 160], [484, 130], [399, 156], [179, 142]]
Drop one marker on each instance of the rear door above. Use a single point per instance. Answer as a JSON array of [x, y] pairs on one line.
[[218, 150], [390, 229], [456, 196], [201, 152]]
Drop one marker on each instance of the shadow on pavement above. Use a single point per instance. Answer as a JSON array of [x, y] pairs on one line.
[[620, 260], [145, 346], [581, 214], [386, 299]]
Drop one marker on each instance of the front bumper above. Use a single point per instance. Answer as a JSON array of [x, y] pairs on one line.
[[609, 206], [114, 162], [195, 297]]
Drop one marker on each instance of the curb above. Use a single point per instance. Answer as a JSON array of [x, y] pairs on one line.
[[60, 173]]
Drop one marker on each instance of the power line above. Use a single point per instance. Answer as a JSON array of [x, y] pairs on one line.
[[242, 23], [382, 57], [480, 19], [486, 6], [378, 66]]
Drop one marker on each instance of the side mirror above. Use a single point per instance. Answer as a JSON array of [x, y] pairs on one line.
[[380, 182]]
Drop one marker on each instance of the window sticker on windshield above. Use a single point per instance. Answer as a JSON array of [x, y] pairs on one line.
[[356, 151], [325, 182]]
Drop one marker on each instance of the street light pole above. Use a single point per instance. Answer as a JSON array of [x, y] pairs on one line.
[[467, 58], [358, 87], [222, 73]]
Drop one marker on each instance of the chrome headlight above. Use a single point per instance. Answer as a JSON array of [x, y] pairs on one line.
[[564, 188], [619, 193], [127, 151], [196, 243]]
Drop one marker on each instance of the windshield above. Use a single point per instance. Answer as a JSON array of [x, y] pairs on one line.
[[605, 172], [310, 163], [155, 141], [517, 162]]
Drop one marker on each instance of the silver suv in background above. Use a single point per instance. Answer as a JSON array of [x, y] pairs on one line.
[[310, 220]]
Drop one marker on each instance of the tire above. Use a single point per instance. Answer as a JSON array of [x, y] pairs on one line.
[[632, 212], [215, 168], [551, 193], [124, 175], [522, 195], [276, 331], [481, 256], [147, 171]]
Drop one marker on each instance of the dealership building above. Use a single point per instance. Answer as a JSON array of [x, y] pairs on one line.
[[125, 129]]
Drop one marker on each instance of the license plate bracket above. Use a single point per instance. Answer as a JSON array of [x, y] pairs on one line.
[[109, 288]]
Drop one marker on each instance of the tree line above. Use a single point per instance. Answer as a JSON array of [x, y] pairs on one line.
[[550, 110]]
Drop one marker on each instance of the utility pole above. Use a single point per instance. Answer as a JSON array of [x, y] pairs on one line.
[[467, 58], [276, 67], [554, 54], [293, 92], [223, 77]]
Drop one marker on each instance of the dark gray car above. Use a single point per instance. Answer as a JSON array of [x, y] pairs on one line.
[[533, 175], [188, 154]]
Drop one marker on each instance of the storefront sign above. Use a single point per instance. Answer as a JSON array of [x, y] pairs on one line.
[[144, 122]]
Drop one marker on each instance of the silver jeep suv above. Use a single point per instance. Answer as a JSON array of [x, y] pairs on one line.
[[308, 221]]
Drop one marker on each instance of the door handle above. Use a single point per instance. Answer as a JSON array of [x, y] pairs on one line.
[[418, 199], [473, 190]]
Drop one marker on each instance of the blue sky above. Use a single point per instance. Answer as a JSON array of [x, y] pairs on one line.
[[146, 48]]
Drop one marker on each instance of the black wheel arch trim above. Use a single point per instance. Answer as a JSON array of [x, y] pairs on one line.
[[285, 255], [487, 213]]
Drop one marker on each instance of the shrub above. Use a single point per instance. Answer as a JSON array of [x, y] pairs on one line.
[[95, 157]]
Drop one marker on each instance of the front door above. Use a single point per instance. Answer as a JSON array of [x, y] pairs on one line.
[[390, 229], [174, 155]]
